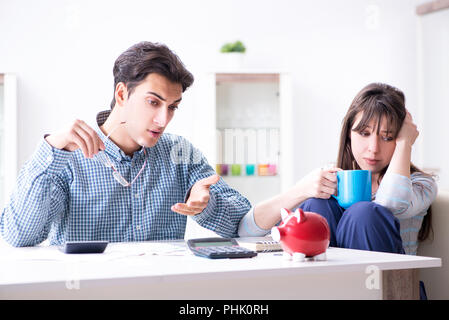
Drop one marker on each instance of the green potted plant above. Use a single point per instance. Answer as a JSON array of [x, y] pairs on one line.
[[233, 53], [237, 46]]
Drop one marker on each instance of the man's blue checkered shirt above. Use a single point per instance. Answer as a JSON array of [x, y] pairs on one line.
[[66, 197]]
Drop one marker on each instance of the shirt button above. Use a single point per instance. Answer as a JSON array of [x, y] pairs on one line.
[[49, 158], [138, 227], [136, 195]]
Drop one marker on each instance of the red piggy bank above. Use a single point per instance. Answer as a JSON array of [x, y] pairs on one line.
[[302, 234]]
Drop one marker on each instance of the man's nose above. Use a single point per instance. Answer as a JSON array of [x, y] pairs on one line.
[[161, 118]]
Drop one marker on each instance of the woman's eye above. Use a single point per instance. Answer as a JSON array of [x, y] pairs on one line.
[[364, 133], [388, 138]]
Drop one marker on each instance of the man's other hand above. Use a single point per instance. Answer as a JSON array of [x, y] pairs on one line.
[[199, 197]]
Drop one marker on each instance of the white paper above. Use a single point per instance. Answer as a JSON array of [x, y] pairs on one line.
[[113, 251]]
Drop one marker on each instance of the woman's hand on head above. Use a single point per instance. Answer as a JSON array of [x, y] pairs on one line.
[[320, 183], [408, 132]]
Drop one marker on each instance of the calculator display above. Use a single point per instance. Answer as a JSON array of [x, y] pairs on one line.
[[214, 244]]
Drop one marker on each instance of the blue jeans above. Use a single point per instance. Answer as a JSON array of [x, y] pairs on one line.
[[365, 225]]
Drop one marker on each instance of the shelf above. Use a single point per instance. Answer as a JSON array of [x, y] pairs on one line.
[[240, 109], [431, 7], [246, 77]]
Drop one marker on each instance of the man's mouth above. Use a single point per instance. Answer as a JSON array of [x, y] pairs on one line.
[[155, 133]]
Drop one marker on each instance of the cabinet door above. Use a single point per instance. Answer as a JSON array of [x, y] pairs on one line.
[[253, 119], [8, 135]]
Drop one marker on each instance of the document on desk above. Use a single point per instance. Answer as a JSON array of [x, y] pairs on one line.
[[114, 251]]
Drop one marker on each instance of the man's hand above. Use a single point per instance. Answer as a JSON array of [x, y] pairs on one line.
[[199, 197], [78, 135]]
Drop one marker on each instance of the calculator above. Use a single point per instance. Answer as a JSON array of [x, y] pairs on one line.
[[84, 246], [219, 248]]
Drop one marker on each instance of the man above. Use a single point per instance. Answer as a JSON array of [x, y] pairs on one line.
[[125, 180]]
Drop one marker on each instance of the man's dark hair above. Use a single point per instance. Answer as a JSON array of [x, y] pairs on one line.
[[143, 58]]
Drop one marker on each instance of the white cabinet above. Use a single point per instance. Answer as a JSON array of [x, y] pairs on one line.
[[244, 127], [8, 135]]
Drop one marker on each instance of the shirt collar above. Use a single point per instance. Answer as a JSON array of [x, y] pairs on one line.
[[111, 148]]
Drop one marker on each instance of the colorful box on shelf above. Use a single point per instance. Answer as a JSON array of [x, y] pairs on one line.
[[222, 169], [267, 169], [246, 170], [236, 169], [250, 169]]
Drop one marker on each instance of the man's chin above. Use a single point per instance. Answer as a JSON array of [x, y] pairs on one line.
[[148, 143]]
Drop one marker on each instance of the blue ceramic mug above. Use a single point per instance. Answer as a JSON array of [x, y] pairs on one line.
[[353, 186]]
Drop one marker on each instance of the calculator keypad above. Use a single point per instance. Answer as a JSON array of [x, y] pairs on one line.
[[224, 252]]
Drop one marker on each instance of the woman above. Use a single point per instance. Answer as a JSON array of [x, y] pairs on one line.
[[377, 135]]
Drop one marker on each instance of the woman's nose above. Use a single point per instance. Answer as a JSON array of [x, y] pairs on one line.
[[373, 143]]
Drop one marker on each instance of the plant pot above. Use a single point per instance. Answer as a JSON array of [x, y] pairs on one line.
[[233, 60]]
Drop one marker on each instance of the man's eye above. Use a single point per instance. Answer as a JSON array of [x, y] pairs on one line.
[[173, 108], [152, 102]]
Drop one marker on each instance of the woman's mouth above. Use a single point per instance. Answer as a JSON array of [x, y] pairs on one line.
[[371, 162]]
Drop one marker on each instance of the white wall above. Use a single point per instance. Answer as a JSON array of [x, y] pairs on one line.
[[63, 53], [433, 35], [2, 142]]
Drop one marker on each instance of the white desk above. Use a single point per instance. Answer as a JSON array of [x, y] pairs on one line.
[[142, 271]]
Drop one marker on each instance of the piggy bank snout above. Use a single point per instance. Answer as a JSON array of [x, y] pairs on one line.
[[302, 233], [277, 233]]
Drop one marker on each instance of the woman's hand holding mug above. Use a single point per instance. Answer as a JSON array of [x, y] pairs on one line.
[[320, 183]]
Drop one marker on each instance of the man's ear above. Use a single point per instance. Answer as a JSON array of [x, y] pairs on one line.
[[121, 94]]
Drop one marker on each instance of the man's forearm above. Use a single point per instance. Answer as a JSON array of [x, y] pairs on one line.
[[33, 202]]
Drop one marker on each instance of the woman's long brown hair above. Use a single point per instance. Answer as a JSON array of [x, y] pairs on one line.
[[377, 101]]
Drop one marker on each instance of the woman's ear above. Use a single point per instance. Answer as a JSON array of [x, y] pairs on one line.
[[121, 94]]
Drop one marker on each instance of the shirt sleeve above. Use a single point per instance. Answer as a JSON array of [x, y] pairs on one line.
[[226, 206], [39, 196], [249, 228], [406, 197]]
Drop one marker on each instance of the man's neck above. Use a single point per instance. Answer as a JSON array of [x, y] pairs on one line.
[[118, 133]]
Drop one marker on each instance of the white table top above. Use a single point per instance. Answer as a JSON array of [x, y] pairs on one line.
[[172, 261]]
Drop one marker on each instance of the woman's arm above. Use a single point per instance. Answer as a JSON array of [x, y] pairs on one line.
[[400, 161], [405, 195], [320, 183]]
